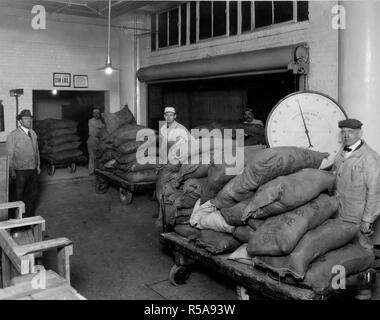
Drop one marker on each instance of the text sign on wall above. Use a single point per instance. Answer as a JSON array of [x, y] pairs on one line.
[[61, 79]]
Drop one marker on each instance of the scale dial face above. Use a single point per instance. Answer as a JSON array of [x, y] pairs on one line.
[[306, 119]]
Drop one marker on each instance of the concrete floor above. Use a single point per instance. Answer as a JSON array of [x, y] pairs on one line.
[[117, 254]]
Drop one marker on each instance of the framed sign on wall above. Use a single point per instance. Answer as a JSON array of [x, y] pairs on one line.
[[61, 79], [80, 81]]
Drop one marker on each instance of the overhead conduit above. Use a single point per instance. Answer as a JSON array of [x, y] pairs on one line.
[[280, 59]]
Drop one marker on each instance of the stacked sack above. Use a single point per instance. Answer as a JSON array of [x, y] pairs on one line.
[[253, 134], [185, 191], [58, 139], [117, 148], [181, 182], [279, 215]]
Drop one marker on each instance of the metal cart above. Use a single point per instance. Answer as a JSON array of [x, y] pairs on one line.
[[70, 163], [126, 189], [251, 282]]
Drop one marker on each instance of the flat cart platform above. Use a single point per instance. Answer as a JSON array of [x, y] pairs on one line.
[[126, 189], [71, 163], [251, 282]]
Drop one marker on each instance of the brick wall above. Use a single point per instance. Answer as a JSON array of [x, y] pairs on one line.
[[317, 33], [69, 44]]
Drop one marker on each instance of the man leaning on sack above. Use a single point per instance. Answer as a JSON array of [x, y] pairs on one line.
[[357, 169], [22, 148]]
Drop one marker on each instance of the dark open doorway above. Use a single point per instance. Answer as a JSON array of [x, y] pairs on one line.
[[68, 105], [199, 102]]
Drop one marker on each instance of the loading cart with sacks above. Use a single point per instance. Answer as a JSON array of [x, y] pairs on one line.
[[70, 163], [126, 188], [251, 282]]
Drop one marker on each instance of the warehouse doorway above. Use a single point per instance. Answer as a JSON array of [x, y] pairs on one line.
[[199, 102], [69, 105]]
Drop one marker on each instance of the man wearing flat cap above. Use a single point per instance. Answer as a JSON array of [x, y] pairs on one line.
[[171, 132], [22, 148], [357, 168]]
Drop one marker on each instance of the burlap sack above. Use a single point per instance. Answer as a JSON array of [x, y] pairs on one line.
[[165, 176], [217, 176], [215, 221], [129, 147], [217, 242], [244, 233], [139, 176], [352, 257], [108, 155], [59, 132], [63, 139], [332, 234], [115, 120], [255, 223], [265, 166], [192, 189], [187, 231], [288, 192], [64, 146], [280, 234], [125, 133], [234, 215]]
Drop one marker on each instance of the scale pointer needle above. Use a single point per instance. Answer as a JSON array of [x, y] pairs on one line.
[[304, 124]]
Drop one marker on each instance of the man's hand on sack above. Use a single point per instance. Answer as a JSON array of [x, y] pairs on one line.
[[38, 170], [366, 227], [13, 174]]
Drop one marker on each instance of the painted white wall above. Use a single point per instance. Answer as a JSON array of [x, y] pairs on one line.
[[129, 60], [28, 57], [317, 33]]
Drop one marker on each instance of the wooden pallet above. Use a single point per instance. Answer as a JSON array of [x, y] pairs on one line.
[[55, 288]]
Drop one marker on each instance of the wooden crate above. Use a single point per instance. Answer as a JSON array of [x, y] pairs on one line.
[[54, 288]]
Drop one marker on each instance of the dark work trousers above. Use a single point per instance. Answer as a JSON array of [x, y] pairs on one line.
[[25, 188]]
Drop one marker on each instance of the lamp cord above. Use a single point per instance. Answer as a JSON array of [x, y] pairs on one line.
[[109, 31]]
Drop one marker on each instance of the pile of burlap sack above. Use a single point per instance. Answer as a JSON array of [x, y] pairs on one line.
[[58, 139], [278, 215], [253, 134], [117, 148]]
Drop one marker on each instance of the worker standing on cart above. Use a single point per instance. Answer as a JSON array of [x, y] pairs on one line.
[[171, 132], [22, 148], [94, 125], [357, 169]]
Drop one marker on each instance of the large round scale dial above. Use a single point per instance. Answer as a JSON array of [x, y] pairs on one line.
[[306, 119]]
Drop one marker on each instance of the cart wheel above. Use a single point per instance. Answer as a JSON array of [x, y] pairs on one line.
[[101, 186], [51, 169], [242, 293], [73, 167], [125, 196], [179, 275]]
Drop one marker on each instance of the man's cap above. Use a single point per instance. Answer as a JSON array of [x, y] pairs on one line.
[[350, 123], [96, 110], [24, 113], [169, 109]]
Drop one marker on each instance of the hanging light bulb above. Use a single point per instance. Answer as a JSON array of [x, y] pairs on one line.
[[108, 68], [54, 91]]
